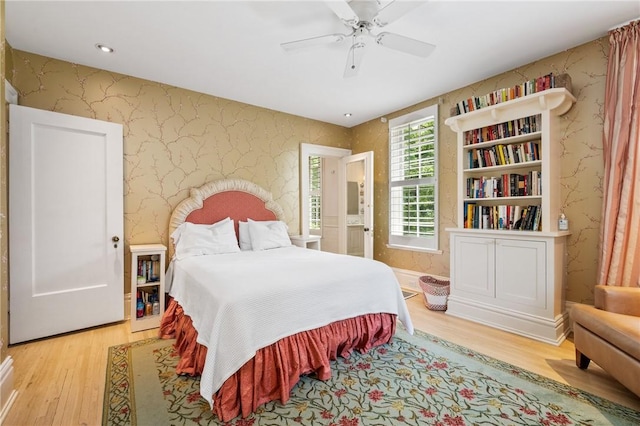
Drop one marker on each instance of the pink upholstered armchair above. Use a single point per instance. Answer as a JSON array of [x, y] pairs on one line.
[[609, 334]]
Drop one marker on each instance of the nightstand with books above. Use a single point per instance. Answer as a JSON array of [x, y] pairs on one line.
[[147, 285]]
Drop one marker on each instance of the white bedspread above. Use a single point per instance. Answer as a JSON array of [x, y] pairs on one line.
[[241, 302]]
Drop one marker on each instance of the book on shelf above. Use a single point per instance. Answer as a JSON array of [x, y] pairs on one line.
[[503, 155], [520, 126], [502, 217], [504, 185], [149, 269], [536, 85]]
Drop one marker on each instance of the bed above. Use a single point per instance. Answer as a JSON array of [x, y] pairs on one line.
[[251, 313]]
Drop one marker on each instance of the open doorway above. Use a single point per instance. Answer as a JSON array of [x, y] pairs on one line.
[[342, 217], [358, 205]]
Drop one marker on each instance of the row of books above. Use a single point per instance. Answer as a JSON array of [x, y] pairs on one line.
[[502, 155], [506, 185], [521, 126], [503, 217], [535, 85], [149, 269]]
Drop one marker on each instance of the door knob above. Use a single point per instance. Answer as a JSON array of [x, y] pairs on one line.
[[366, 229], [115, 240]]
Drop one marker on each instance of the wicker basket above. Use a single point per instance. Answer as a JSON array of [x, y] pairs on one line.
[[435, 292]]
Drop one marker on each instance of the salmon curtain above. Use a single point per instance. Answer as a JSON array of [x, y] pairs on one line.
[[620, 230]]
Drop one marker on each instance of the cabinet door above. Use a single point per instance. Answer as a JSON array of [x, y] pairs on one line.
[[355, 241], [520, 272], [473, 268]]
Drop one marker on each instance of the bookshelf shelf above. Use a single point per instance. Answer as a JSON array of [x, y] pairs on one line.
[[506, 271], [525, 165], [555, 101], [505, 141], [501, 200], [147, 284]]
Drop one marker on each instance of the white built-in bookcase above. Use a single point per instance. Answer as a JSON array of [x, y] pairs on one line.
[[512, 279]]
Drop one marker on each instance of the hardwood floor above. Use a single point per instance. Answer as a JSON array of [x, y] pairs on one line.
[[60, 380]]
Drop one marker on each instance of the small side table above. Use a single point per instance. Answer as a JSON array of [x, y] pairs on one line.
[[147, 281], [311, 242]]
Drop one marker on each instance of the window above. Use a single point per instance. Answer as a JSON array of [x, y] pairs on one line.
[[413, 180], [315, 192]]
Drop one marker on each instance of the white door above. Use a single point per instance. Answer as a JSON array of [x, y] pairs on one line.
[[357, 225], [65, 223]]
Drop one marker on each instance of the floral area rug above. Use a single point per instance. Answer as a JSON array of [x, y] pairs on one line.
[[415, 380]]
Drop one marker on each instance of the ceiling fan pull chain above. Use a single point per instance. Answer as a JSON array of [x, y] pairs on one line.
[[353, 53]]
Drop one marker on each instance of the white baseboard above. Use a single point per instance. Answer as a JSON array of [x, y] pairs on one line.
[[409, 279], [568, 305], [548, 330], [127, 306], [7, 392]]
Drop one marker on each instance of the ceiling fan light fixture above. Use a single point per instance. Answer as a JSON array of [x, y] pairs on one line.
[[361, 17], [104, 48]]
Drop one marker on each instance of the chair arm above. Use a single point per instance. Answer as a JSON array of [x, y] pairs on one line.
[[621, 300]]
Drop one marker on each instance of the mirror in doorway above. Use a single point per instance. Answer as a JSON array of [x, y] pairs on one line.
[[353, 197]]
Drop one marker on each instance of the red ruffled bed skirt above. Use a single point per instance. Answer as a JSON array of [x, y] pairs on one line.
[[275, 369]]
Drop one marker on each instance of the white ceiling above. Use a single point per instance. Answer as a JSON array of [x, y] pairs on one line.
[[231, 49]]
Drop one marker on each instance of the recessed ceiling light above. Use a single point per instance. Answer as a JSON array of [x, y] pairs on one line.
[[347, 114], [103, 48]]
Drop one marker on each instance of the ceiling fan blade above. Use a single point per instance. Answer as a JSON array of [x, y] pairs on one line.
[[354, 59], [342, 9], [313, 41], [394, 10], [405, 44]]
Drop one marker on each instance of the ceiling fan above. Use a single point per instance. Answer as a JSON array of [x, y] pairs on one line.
[[362, 17]]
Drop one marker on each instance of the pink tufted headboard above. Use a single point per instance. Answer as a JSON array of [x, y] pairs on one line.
[[235, 198]]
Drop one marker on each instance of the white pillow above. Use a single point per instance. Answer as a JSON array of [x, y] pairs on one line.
[[268, 234], [175, 235], [243, 235], [196, 240]]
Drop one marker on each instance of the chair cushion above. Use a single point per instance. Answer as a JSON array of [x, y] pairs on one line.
[[621, 300], [622, 331]]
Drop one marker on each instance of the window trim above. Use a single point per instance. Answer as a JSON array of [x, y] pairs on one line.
[[425, 244]]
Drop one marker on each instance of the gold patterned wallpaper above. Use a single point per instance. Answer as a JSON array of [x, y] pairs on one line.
[[175, 139], [581, 164]]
